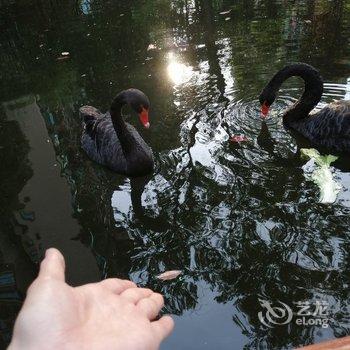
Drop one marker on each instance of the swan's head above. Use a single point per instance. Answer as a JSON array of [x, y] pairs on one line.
[[139, 102], [266, 98]]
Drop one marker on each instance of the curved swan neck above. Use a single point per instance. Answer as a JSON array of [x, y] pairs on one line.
[[116, 108], [312, 93], [120, 127]]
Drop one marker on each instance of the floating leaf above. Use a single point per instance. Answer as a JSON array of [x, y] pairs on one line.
[[169, 275], [319, 159], [322, 176], [238, 138], [225, 12]]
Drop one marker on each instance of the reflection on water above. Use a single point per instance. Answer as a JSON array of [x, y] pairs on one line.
[[178, 72], [240, 220]]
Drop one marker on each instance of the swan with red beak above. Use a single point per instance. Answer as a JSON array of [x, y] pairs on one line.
[[109, 140], [329, 127]]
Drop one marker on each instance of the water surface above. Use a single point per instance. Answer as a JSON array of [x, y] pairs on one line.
[[241, 220]]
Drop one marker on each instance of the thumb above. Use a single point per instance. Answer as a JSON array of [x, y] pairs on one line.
[[53, 266]]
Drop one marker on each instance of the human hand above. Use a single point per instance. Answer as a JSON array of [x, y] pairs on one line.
[[112, 314]]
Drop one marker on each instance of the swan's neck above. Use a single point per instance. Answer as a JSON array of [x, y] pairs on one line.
[[124, 136], [312, 92]]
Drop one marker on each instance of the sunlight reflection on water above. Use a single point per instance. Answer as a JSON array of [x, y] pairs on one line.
[[179, 73]]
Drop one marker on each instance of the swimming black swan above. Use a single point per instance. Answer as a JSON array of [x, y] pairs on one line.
[[328, 128], [110, 141]]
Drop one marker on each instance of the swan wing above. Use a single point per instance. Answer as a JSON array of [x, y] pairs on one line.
[[101, 143], [89, 113], [333, 121], [330, 127]]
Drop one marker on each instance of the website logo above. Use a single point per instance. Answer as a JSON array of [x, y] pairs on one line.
[[274, 315], [308, 314]]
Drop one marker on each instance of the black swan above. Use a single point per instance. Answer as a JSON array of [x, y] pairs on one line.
[[109, 140], [328, 128]]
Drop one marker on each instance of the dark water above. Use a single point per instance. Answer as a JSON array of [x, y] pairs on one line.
[[241, 221]]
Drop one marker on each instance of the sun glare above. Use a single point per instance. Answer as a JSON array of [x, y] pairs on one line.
[[178, 72]]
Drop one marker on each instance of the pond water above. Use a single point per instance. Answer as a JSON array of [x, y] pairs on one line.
[[242, 221]]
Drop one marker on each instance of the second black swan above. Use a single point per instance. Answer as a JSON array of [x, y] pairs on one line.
[[109, 140], [329, 127]]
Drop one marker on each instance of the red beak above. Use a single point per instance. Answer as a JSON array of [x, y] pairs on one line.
[[144, 118], [265, 109]]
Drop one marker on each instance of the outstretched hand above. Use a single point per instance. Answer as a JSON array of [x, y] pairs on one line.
[[112, 314]]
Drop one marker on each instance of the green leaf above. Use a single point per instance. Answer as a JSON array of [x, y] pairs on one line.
[[318, 158], [322, 176]]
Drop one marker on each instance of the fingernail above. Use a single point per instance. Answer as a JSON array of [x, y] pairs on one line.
[[52, 253]]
